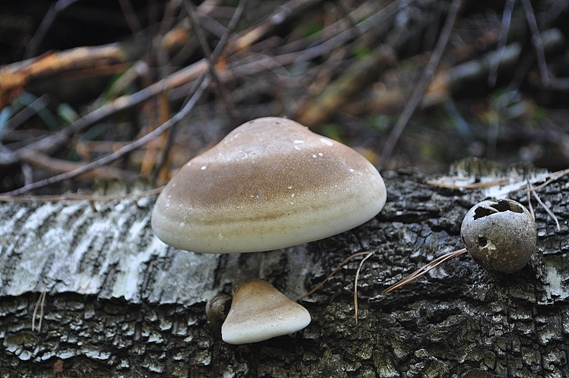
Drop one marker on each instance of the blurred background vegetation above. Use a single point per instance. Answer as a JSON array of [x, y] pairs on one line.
[[81, 80]]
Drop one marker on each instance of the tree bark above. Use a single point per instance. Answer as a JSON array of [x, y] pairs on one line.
[[121, 303]]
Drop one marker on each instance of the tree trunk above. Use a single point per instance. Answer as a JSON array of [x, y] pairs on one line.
[[121, 303]]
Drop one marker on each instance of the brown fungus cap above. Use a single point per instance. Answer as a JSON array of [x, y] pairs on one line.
[[500, 235], [271, 183], [260, 312]]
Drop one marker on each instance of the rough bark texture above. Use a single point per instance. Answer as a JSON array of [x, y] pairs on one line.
[[121, 303]]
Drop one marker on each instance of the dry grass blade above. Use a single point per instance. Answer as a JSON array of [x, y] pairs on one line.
[[39, 304], [424, 270], [334, 272], [545, 207], [528, 194], [356, 285]]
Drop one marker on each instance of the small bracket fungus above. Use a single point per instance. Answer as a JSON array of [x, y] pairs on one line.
[[260, 312], [499, 235], [216, 310], [271, 183]]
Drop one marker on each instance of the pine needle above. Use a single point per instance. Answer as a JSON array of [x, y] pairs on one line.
[[356, 285], [334, 272], [424, 270]]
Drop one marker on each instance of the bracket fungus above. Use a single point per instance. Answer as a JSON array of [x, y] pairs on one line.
[[271, 183], [260, 312], [500, 235]]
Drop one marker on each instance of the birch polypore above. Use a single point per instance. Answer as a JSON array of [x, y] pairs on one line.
[[271, 183], [260, 312]]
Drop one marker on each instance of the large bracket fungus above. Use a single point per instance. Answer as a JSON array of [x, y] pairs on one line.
[[271, 183]]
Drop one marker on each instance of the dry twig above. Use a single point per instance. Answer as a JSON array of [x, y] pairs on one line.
[[422, 83], [121, 152], [545, 207], [202, 82], [39, 159], [497, 57], [537, 42]]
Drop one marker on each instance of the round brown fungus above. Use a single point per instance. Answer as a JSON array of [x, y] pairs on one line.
[[499, 235]]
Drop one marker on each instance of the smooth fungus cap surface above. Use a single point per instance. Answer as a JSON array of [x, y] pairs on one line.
[[260, 312], [269, 184]]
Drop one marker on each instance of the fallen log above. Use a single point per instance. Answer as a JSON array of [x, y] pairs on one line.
[[118, 302]]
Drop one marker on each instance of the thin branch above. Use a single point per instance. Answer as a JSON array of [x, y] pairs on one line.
[[285, 12], [122, 151], [225, 98], [211, 59], [185, 75], [49, 163], [424, 81], [46, 23], [240, 69], [496, 58], [130, 16], [30, 110], [537, 42], [224, 40], [370, 17]]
